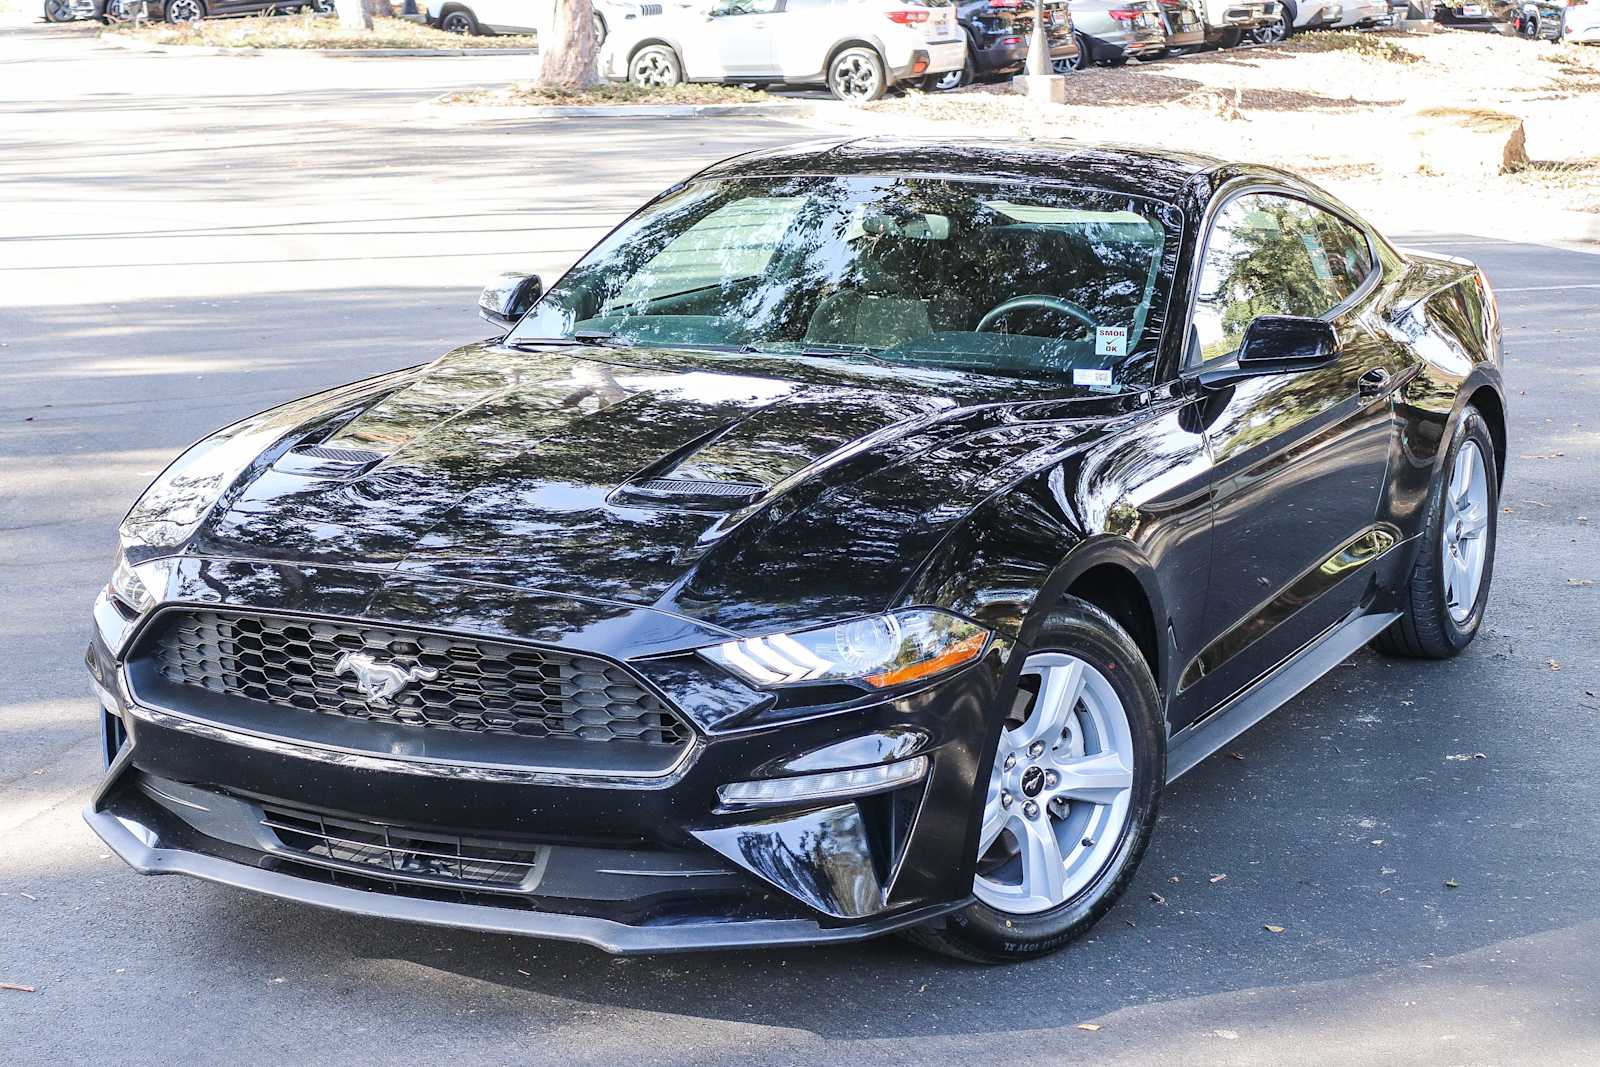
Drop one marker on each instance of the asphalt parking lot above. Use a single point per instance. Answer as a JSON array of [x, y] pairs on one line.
[[185, 241]]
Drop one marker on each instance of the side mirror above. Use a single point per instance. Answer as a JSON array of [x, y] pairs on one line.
[[1277, 344], [508, 298]]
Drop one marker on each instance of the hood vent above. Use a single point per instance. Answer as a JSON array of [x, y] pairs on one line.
[[689, 491], [321, 461]]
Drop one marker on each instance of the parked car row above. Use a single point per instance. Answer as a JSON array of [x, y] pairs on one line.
[[861, 49]]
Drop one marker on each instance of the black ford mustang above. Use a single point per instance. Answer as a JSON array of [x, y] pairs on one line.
[[857, 539]]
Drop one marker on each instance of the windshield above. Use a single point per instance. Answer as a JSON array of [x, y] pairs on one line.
[[1029, 280]]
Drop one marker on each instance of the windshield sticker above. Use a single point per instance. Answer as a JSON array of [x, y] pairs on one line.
[[1091, 376], [1110, 340]]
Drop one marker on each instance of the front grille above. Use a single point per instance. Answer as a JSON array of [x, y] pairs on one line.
[[402, 854], [458, 683]]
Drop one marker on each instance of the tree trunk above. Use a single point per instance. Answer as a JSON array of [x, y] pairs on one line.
[[353, 15], [568, 54]]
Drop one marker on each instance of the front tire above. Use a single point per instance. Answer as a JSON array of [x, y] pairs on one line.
[[1271, 32], [856, 76], [178, 11], [952, 79], [1443, 602], [655, 67], [58, 11], [1071, 798]]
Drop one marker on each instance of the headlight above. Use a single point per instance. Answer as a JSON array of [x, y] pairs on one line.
[[128, 588], [882, 650]]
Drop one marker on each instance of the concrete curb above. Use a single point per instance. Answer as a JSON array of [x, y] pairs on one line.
[[118, 41], [798, 112]]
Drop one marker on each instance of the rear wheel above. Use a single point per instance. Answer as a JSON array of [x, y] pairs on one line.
[[58, 11], [184, 11], [1071, 798], [856, 76], [655, 66], [459, 20], [1444, 600]]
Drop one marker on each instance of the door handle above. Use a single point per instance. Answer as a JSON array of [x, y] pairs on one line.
[[1373, 383]]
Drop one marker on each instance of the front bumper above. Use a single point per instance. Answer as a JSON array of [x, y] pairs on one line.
[[628, 865]]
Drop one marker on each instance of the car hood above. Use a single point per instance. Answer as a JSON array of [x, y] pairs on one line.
[[541, 470]]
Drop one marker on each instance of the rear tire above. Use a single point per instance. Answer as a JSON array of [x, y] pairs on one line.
[[459, 20], [58, 11], [177, 11], [655, 66], [1443, 603], [1017, 921], [856, 76]]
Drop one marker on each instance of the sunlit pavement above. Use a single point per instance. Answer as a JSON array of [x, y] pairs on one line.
[[185, 240]]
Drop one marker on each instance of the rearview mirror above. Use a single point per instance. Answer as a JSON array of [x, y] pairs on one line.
[[1277, 344], [508, 298]]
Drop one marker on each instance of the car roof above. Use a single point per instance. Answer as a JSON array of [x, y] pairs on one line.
[[1152, 172]]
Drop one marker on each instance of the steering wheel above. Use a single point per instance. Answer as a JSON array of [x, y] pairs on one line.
[[1043, 300]]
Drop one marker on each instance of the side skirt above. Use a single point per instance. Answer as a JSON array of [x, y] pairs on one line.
[[1195, 742]]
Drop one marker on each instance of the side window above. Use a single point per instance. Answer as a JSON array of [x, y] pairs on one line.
[[1271, 255]]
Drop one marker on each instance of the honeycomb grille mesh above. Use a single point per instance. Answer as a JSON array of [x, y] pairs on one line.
[[476, 686]]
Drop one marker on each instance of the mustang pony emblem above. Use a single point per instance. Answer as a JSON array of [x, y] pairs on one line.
[[379, 682]]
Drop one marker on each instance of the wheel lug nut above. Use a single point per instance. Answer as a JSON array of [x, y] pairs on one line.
[[1011, 761], [1005, 800], [1036, 749], [1050, 779], [1031, 810]]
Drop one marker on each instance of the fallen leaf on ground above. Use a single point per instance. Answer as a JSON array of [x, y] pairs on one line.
[[1158, 898], [1091, 1027], [15, 988], [1555, 665], [1215, 878], [1271, 929], [1234, 755], [1174, 878], [1580, 582], [1543, 455], [1463, 757], [1451, 883]]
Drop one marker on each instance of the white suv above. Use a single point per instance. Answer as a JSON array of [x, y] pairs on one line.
[[857, 48]]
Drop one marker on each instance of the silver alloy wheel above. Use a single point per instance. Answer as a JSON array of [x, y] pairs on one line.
[[184, 11], [1270, 33], [855, 77], [1466, 524], [1060, 790], [950, 79], [652, 70], [58, 10]]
